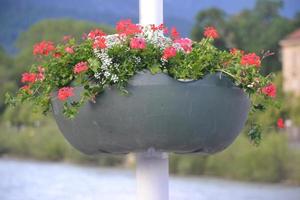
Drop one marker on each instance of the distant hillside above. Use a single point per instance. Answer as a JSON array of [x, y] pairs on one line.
[[18, 15]]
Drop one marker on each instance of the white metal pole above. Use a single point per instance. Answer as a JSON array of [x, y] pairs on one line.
[[151, 12], [152, 167], [152, 175]]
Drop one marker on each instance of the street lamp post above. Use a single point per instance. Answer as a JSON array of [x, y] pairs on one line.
[[152, 167]]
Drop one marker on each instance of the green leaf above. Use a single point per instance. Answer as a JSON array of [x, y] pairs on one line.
[[94, 64], [155, 69]]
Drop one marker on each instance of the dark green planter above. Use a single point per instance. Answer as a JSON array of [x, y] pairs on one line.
[[162, 113]]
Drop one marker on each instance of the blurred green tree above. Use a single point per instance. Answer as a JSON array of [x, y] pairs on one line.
[[7, 78], [52, 30], [256, 30]]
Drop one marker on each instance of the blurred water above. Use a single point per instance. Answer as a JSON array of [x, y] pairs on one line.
[[30, 180]]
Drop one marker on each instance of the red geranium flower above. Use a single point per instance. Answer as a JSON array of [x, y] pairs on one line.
[[43, 48], [64, 93], [80, 67], [174, 33], [251, 59], [28, 77], [137, 43], [69, 50], [211, 32], [280, 123], [160, 27], [126, 27], [169, 52], [96, 33], [269, 90], [99, 43]]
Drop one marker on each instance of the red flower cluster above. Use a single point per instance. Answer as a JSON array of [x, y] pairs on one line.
[[96, 33], [69, 50], [99, 43], [269, 90], [137, 43], [126, 27], [169, 52], [32, 77], [251, 59], [64, 93], [28, 77], [185, 43], [80, 67], [174, 33], [280, 123], [211, 32], [160, 27], [43, 48]]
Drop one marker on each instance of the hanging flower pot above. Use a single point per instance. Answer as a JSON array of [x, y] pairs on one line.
[[161, 113], [140, 89]]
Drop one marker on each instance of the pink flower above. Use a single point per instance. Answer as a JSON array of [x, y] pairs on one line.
[[137, 43], [269, 90], [28, 77], [251, 59], [99, 43], [80, 67], [40, 76], [169, 52], [211, 32], [66, 38], [64, 93], [43, 48], [185, 43], [69, 50]]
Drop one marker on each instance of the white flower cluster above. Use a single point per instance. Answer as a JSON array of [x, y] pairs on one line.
[[157, 38], [112, 40], [178, 47], [107, 66], [136, 59]]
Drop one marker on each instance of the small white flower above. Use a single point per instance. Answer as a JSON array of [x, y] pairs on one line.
[[177, 47], [106, 74], [114, 78], [250, 85], [137, 59], [97, 75]]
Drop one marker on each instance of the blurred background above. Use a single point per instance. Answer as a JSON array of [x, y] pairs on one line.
[[34, 154]]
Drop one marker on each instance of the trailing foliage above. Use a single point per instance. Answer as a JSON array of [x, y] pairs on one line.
[[100, 61]]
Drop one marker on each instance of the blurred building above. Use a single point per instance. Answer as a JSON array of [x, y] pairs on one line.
[[290, 48], [291, 62]]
